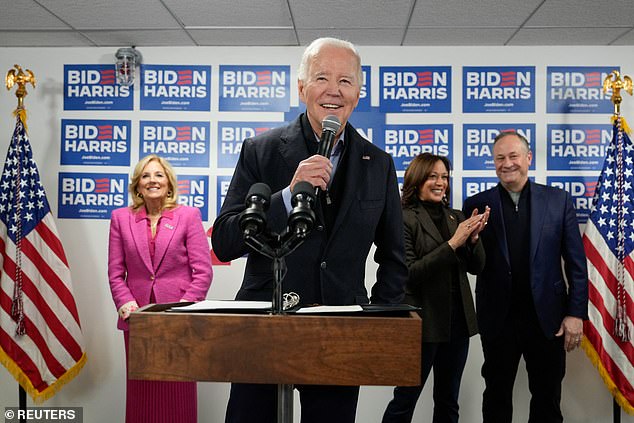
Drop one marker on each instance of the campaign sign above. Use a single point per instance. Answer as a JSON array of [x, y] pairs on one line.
[[415, 89], [193, 190], [183, 144], [581, 188], [90, 195], [222, 186], [95, 142], [232, 134], [254, 88], [175, 87], [472, 185], [498, 89], [477, 142], [404, 142], [365, 102], [370, 124], [577, 147], [94, 87], [578, 89]]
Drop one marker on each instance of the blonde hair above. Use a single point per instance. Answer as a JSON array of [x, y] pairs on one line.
[[172, 193]]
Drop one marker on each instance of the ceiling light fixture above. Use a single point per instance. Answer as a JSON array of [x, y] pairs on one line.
[[127, 60]]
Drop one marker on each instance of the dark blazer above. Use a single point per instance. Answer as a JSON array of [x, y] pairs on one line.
[[554, 235], [431, 263], [322, 270]]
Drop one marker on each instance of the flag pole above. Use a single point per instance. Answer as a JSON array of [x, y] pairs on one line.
[[621, 327], [22, 403], [17, 76]]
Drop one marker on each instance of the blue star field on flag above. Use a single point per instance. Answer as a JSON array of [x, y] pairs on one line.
[[23, 201], [605, 211]]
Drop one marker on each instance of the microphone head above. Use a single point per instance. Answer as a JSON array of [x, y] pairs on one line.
[[302, 218], [260, 190], [303, 187], [252, 220], [331, 123]]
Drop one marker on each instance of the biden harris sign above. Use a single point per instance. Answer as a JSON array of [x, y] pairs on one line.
[[93, 87], [503, 89], [254, 88], [577, 89], [175, 87], [415, 89]]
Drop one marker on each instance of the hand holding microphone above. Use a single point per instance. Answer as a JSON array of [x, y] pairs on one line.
[[317, 169]]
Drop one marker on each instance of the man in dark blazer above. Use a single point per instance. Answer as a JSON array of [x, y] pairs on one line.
[[526, 304], [358, 206]]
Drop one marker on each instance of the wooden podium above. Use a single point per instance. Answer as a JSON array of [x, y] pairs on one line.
[[363, 349]]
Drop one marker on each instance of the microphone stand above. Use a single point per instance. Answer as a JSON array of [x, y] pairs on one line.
[[277, 247]]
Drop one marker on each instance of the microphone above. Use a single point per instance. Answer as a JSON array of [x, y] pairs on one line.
[[302, 218], [253, 218], [329, 127]]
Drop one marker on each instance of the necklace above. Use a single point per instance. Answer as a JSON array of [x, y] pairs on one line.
[[154, 223]]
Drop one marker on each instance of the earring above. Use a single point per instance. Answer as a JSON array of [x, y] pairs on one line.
[[170, 194], [139, 195]]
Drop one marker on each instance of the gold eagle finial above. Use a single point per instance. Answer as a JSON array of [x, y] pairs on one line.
[[20, 78], [616, 85]]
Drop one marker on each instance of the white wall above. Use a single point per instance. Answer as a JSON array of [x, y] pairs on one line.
[[99, 388]]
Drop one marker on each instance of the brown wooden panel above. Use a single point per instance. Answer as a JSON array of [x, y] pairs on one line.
[[287, 349]]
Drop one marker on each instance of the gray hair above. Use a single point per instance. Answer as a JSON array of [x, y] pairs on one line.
[[313, 49], [517, 134]]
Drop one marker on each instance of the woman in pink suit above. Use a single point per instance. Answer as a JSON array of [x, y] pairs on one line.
[[158, 253]]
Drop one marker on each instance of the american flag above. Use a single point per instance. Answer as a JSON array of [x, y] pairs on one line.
[[609, 245], [41, 343]]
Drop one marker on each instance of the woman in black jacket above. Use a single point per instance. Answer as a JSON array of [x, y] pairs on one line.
[[441, 246]]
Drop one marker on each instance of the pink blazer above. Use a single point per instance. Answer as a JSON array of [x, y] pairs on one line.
[[182, 264]]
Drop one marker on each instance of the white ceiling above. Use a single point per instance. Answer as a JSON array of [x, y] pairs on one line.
[[118, 23]]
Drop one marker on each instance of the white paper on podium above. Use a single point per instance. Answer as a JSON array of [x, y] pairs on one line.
[[225, 305], [331, 309]]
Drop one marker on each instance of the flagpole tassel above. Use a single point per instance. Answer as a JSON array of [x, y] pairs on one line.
[[621, 330], [621, 327], [17, 311], [17, 306]]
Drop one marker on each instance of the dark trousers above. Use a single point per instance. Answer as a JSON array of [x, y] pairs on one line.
[[256, 403], [448, 360], [545, 364]]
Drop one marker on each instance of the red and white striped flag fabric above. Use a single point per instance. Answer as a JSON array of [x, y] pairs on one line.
[[41, 343], [609, 245]]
